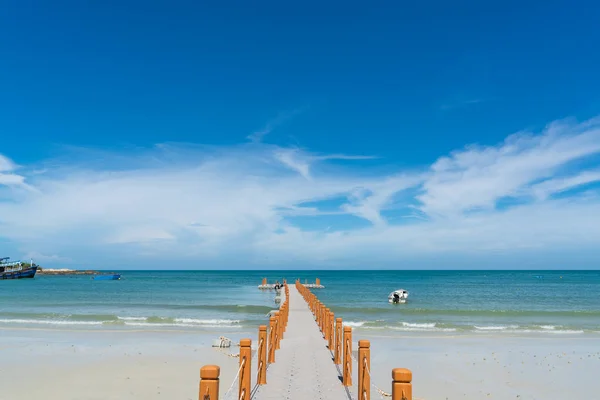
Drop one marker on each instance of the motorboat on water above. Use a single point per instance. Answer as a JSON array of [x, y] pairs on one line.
[[398, 296], [109, 277]]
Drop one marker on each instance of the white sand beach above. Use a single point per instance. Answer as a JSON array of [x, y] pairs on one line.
[[68, 365]]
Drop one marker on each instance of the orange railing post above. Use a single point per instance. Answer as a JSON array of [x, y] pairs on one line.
[[331, 330], [281, 321], [272, 323], [209, 382], [364, 368], [347, 374], [277, 329], [261, 379], [318, 314], [328, 327], [245, 369], [401, 384], [326, 323], [338, 341]]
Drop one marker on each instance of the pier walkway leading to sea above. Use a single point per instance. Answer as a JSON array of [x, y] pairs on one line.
[[306, 353], [304, 368]]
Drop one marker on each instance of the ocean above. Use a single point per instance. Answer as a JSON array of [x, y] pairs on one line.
[[441, 302]]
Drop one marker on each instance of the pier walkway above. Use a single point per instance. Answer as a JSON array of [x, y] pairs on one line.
[[304, 353], [304, 367]]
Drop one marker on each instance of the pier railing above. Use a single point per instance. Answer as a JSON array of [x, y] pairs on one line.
[[339, 342], [339, 339]]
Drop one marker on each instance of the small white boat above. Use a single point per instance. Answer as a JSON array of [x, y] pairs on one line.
[[398, 296]]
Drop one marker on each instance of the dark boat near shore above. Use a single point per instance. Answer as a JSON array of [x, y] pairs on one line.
[[16, 270]]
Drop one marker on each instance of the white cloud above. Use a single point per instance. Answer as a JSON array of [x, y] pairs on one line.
[[281, 118], [7, 177], [200, 203], [552, 186], [477, 177], [6, 164]]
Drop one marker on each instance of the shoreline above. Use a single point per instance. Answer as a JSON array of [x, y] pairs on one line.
[[235, 329]]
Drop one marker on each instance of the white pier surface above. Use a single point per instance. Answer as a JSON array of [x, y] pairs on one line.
[[303, 367]]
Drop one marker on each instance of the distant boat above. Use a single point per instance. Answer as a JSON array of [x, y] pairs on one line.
[[16, 269], [398, 296], [111, 277]]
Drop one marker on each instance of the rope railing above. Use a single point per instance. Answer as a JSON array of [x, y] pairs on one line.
[[237, 375], [381, 392], [268, 343]]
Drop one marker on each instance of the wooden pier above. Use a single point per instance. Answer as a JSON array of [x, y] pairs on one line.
[[305, 353]]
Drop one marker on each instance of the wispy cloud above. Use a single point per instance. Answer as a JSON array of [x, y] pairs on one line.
[[478, 176], [246, 203], [301, 161], [281, 118], [8, 177]]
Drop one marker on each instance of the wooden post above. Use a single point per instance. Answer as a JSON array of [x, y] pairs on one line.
[[331, 330], [209, 382], [261, 379], [272, 323], [401, 384], [338, 341], [318, 314], [364, 366], [281, 321], [327, 319], [245, 369], [347, 375], [277, 329]]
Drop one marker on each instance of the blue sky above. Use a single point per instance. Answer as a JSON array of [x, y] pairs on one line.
[[389, 135]]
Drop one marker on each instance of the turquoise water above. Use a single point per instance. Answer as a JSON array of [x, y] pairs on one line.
[[547, 302]]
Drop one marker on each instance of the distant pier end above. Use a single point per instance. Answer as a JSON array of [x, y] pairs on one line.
[[270, 286]]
